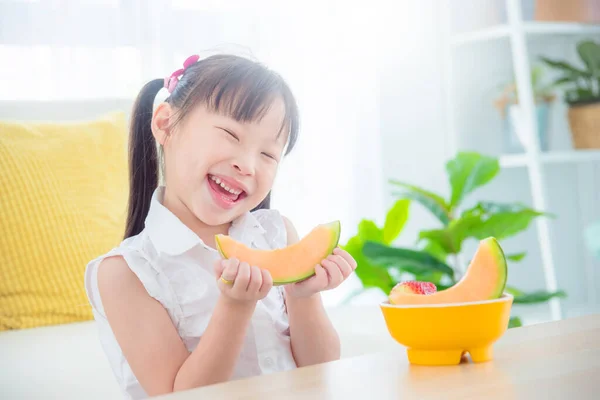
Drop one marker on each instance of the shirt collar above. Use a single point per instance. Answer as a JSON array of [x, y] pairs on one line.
[[171, 236]]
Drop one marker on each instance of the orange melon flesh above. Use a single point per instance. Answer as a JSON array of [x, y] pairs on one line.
[[289, 264], [484, 279]]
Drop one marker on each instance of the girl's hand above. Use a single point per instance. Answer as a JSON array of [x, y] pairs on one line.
[[240, 282], [328, 275]]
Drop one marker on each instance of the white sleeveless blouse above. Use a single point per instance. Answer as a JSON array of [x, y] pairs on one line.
[[176, 268]]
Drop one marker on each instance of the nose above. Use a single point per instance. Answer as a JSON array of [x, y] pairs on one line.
[[244, 164]]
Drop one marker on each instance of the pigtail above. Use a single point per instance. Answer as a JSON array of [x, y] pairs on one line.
[[143, 158]]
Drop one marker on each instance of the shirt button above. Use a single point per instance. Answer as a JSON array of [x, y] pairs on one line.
[[268, 362]]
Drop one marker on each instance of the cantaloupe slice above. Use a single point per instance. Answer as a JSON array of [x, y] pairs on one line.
[[484, 279], [289, 264]]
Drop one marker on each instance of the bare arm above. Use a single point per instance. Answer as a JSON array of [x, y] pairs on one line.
[[313, 337], [150, 342]]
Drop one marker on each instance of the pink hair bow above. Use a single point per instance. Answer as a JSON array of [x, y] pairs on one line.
[[172, 80]]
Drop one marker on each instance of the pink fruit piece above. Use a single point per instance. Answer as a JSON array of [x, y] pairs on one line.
[[415, 287]]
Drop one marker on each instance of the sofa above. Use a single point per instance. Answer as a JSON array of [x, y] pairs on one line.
[[66, 360]]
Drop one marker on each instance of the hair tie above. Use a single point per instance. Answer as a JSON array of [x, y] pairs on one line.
[[172, 80]]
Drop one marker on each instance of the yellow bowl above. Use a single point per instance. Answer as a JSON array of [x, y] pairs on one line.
[[439, 334]]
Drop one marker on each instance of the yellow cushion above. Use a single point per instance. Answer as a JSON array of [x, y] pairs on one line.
[[63, 198]]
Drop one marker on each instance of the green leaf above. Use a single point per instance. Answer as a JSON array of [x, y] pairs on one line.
[[414, 261], [504, 224], [441, 238], [481, 221], [514, 291], [395, 220], [516, 257], [468, 171], [431, 201], [431, 276], [368, 230], [540, 296], [514, 322], [590, 55], [562, 80], [451, 238], [581, 95], [491, 207], [500, 219], [566, 68], [370, 275], [436, 250]]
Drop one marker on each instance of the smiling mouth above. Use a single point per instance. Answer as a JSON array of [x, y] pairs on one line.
[[225, 193]]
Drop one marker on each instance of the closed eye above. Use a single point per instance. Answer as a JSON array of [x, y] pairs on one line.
[[231, 134], [270, 156]]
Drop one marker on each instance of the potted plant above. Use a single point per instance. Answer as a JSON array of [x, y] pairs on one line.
[[508, 105], [582, 94], [567, 11], [436, 255]]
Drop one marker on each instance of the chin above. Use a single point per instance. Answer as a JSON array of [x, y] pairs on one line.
[[219, 208], [209, 212]]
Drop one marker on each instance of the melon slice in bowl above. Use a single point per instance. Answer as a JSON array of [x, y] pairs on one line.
[[438, 328], [290, 264], [485, 279]]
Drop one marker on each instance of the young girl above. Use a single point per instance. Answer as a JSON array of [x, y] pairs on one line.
[[172, 314]]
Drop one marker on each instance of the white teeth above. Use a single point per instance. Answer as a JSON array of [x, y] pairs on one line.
[[220, 183]]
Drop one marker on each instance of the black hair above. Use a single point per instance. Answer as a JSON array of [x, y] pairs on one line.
[[227, 84]]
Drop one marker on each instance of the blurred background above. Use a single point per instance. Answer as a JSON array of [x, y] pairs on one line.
[[388, 90], [426, 125]]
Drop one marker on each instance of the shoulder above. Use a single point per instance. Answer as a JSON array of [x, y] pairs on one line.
[[292, 234], [115, 276], [123, 271], [278, 228]]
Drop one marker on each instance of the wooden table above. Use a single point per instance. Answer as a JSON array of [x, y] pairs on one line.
[[555, 360]]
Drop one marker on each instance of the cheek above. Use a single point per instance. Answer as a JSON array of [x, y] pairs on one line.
[[266, 176], [193, 158]]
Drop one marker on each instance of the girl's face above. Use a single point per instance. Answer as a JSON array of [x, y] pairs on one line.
[[217, 167]]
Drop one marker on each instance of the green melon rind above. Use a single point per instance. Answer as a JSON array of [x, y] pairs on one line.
[[498, 252], [335, 228]]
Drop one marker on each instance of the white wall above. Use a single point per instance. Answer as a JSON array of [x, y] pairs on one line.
[[412, 107]]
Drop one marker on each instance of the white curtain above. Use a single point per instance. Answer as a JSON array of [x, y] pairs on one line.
[[90, 49]]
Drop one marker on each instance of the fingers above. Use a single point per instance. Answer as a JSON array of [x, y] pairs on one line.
[[255, 280], [267, 282], [230, 269], [334, 272], [346, 256], [342, 264], [219, 266], [315, 283], [321, 277], [240, 285]]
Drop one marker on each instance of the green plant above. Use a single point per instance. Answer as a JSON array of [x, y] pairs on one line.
[[583, 84], [542, 91], [436, 256]]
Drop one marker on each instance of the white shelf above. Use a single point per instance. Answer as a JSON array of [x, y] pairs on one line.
[[555, 157], [530, 28], [517, 33]]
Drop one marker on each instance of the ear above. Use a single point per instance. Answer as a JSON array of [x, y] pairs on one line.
[[161, 121]]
